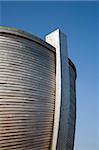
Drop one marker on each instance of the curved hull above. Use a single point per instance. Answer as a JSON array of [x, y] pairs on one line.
[[27, 92]]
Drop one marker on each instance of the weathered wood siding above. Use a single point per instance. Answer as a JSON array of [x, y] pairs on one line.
[[27, 93], [72, 107]]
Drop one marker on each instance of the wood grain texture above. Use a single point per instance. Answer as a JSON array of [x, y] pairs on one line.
[[27, 94]]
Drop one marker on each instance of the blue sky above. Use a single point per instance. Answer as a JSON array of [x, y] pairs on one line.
[[79, 21]]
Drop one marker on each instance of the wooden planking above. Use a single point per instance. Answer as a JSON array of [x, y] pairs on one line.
[[72, 107], [27, 94]]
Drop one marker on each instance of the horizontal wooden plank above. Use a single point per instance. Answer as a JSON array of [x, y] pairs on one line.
[[27, 94]]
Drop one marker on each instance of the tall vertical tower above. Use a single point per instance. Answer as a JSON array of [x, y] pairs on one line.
[[65, 104]]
